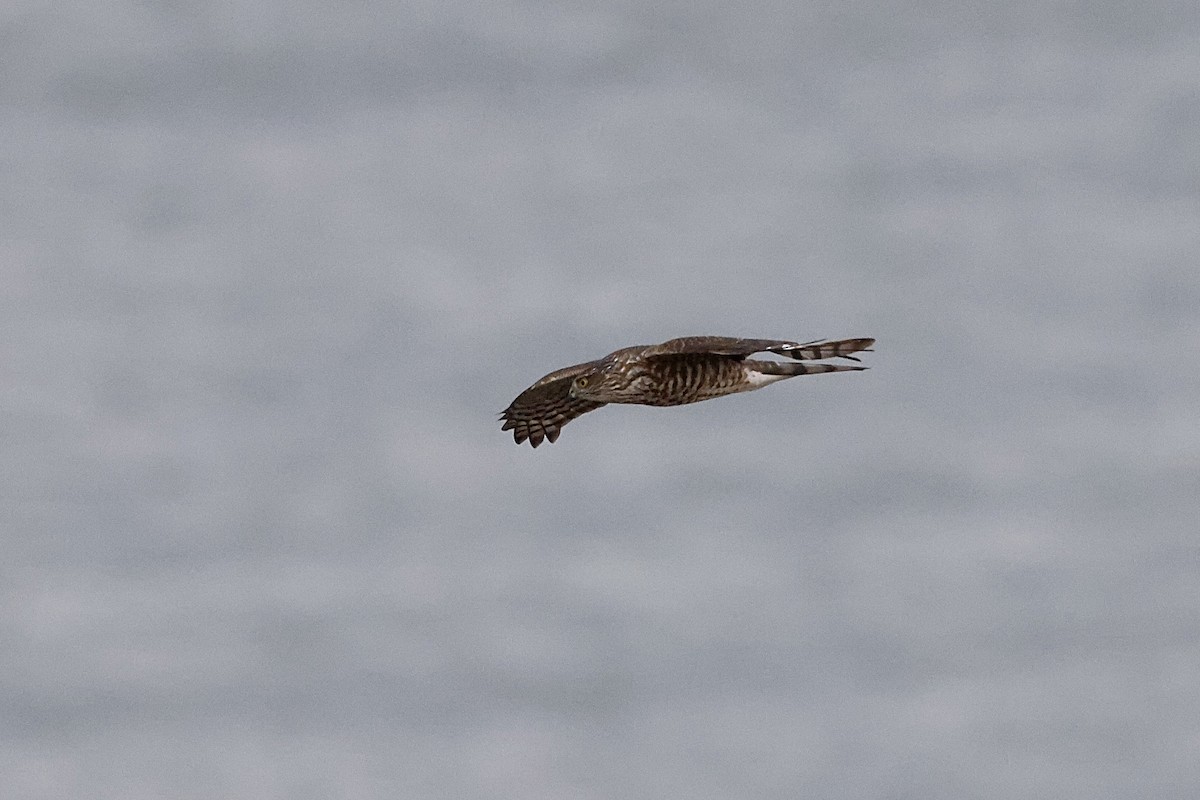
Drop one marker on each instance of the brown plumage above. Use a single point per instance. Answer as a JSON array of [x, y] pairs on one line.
[[673, 373]]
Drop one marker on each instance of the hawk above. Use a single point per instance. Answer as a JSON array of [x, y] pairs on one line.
[[673, 373]]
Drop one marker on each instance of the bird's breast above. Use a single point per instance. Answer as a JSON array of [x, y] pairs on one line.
[[689, 379]]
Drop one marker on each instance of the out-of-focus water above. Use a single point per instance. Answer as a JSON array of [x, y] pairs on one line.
[[271, 270]]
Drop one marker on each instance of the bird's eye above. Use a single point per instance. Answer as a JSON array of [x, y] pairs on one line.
[[581, 382]]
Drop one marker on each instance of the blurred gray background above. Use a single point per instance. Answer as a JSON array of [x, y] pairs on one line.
[[270, 269]]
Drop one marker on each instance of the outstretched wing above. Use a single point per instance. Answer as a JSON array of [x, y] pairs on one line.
[[740, 348], [540, 411]]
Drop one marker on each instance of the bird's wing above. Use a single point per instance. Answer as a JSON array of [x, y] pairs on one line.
[[540, 411], [740, 348]]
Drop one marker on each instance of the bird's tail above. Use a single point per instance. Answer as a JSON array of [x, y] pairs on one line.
[[790, 368], [814, 351]]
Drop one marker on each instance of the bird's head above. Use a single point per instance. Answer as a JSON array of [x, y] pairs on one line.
[[591, 385]]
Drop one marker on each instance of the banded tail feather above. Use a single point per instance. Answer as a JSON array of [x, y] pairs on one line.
[[790, 369], [815, 351]]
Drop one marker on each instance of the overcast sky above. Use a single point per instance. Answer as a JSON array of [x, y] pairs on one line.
[[270, 270]]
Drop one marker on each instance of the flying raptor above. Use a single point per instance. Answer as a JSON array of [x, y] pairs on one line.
[[673, 373]]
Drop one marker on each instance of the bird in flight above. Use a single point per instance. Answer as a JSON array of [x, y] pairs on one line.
[[673, 373]]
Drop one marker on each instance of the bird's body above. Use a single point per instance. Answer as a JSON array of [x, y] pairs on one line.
[[675, 380], [673, 373]]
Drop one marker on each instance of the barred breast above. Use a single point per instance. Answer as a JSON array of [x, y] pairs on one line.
[[677, 380]]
